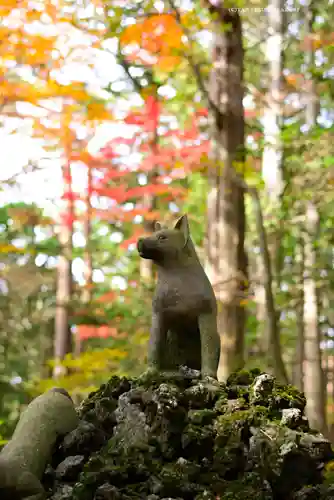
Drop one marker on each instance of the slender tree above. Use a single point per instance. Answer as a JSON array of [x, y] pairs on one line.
[[273, 157], [298, 367], [273, 176], [225, 251], [62, 337], [314, 378], [86, 296]]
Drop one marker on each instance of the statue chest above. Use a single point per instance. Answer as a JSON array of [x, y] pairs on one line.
[[178, 297]]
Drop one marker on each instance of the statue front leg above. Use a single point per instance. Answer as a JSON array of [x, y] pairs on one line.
[[210, 344], [156, 348], [157, 342]]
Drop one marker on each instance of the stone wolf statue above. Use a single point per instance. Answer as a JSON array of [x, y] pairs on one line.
[[184, 308]]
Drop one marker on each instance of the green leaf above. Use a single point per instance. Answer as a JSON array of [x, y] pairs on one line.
[[329, 161]]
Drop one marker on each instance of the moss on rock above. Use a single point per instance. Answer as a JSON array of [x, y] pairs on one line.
[[177, 436]]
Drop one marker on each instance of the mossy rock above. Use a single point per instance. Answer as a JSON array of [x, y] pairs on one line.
[[180, 437]]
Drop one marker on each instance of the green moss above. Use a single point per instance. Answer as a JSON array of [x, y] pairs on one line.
[[202, 395], [237, 391], [286, 397], [152, 378], [199, 440], [179, 479], [220, 405], [223, 405], [243, 377], [231, 423], [201, 417], [251, 486]]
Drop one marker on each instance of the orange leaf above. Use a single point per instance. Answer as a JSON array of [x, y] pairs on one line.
[[293, 79], [158, 33], [33, 15], [132, 34], [164, 28], [98, 111], [168, 63], [82, 156]]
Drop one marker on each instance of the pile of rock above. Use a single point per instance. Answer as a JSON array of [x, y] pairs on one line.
[[183, 437]]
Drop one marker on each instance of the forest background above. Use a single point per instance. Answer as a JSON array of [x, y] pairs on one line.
[[118, 113]]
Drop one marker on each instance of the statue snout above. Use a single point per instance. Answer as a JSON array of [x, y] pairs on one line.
[[141, 246], [147, 248]]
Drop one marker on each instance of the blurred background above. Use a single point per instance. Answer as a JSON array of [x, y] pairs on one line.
[[117, 113]]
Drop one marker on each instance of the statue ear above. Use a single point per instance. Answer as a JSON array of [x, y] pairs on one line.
[[157, 226], [183, 225]]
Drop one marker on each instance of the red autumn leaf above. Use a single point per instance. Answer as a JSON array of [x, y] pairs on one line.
[[202, 112], [196, 150], [85, 332], [104, 331], [108, 152], [115, 193], [121, 215], [135, 119], [156, 160], [140, 191], [145, 148], [117, 141], [251, 113], [70, 196], [67, 219], [107, 297], [153, 113], [67, 175], [191, 133], [112, 174]]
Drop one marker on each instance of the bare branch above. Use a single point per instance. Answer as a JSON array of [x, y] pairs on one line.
[[126, 66]]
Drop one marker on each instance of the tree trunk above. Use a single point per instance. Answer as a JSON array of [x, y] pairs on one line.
[[150, 203], [63, 338], [46, 343], [314, 377], [88, 260], [261, 312], [298, 372], [226, 258], [272, 325], [272, 161], [272, 173]]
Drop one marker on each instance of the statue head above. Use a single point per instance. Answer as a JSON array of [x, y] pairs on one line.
[[165, 244]]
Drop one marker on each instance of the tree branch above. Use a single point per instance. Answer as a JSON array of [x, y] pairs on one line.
[[192, 63], [126, 66], [271, 312]]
